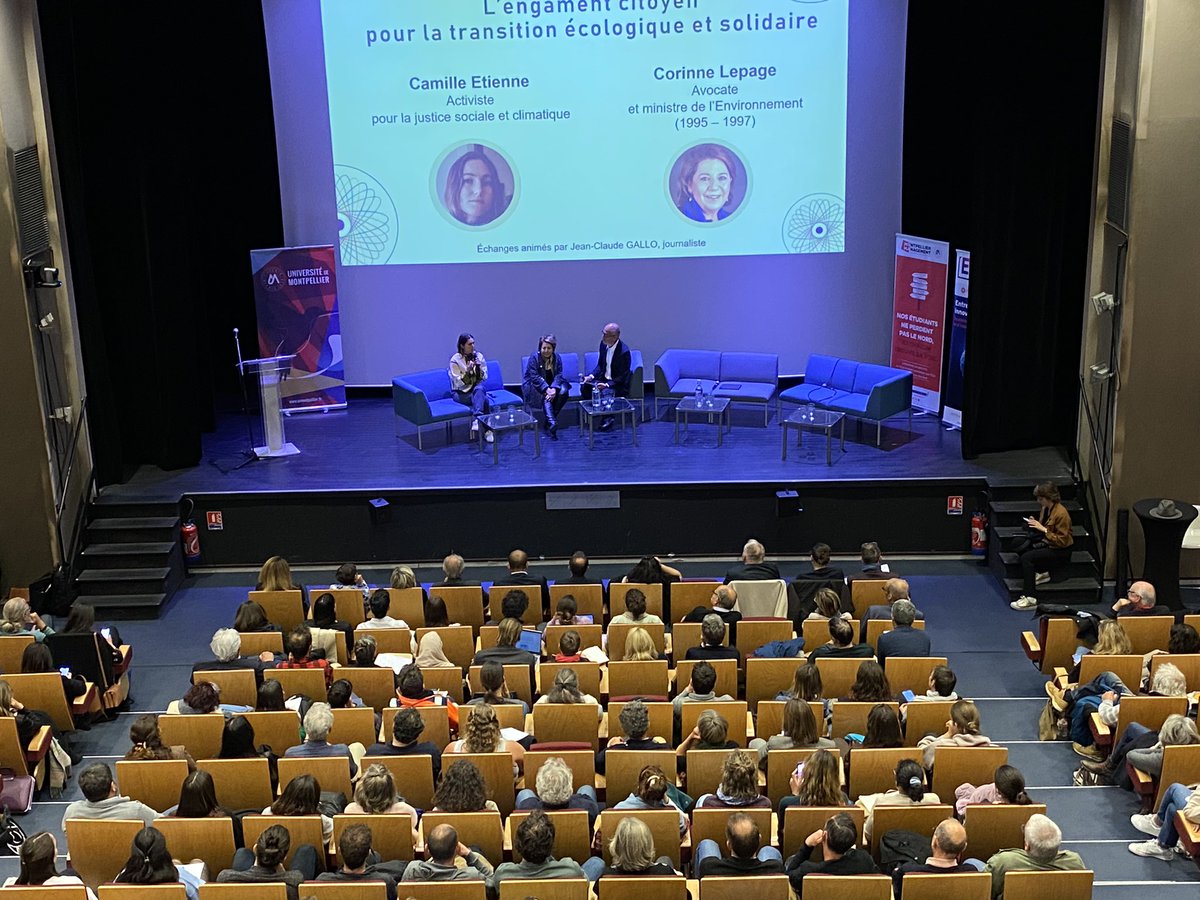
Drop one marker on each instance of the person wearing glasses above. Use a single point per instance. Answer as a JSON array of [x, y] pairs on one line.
[[1139, 601]]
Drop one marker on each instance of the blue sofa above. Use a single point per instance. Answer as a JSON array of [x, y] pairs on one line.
[[863, 390], [745, 377], [571, 370], [424, 398]]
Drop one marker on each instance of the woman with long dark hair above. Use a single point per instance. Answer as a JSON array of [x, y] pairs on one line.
[[38, 865], [302, 797], [544, 385], [1045, 546], [468, 372], [909, 791], [150, 862]]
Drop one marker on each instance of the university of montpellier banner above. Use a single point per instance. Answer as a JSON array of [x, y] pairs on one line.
[[295, 293], [919, 314], [957, 364]]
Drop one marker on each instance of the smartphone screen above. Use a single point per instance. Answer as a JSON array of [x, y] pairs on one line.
[[64, 671], [107, 633], [908, 696]]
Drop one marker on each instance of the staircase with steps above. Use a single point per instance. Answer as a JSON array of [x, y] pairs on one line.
[[132, 561], [1078, 582]]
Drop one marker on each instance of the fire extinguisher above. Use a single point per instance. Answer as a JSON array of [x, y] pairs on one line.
[[979, 523], [190, 535]]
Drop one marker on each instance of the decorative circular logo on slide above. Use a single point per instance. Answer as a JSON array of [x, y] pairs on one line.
[[474, 185], [707, 183], [815, 224], [366, 218]]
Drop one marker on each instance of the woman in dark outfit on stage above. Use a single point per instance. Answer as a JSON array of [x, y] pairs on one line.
[[544, 385], [1048, 545]]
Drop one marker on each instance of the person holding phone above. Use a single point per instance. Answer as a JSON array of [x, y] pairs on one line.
[[82, 620], [468, 372], [1046, 545]]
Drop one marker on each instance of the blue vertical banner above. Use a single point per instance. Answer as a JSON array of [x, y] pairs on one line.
[[957, 363], [295, 296]]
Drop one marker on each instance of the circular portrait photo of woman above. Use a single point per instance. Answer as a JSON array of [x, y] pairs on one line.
[[708, 183], [474, 185]]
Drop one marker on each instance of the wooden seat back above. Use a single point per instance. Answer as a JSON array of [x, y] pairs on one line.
[[497, 771], [389, 640], [685, 596], [200, 735], [766, 678], [237, 686], [41, 892], [922, 818], [99, 848], [458, 643], [533, 596], [754, 633], [545, 888], [407, 605], [447, 680], [517, 678], [256, 642], [140, 892], [208, 839], [572, 834], [376, 686], [1187, 663], [509, 715], [815, 633], [154, 782], [1056, 637], [644, 678], [1150, 712], [766, 887], [851, 717], [873, 770], [240, 783], [780, 765], [686, 635], [475, 829], [1147, 633], [953, 766], [1181, 763], [348, 603], [357, 890], [661, 716], [436, 719], [770, 717], [801, 821], [663, 825], [876, 627], [959, 885], [995, 826], [1127, 668], [709, 824], [589, 636], [44, 691], [734, 712], [704, 770], [924, 717], [353, 724], [838, 674], [389, 836], [1073, 885], [588, 675], [623, 767], [303, 830], [331, 772], [727, 675], [278, 730], [252, 891], [653, 592], [12, 648], [464, 605], [625, 887], [865, 593], [556, 722], [309, 682], [413, 776], [618, 631], [911, 673], [282, 608], [582, 764], [589, 599], [847, 887]]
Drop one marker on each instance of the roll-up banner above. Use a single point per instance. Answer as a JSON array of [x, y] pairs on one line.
[[919, 314], [295, 294], [957, 364]]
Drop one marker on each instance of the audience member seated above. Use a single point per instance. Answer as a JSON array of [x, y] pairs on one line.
[[883, 731], [276, 575], [147, 743], [411, 691], [452, 568], [1164, 842], [578, 566], [101, 800], [554, 791], [566, 690], [746, 855], [829, 605], [380, 604], [347, 576], [829, 851], [37, 659], [651, 793], [403, 577], [635, 611], [1008, 786], [198, 800], [1139, 601], [226, 646], [366, 653], [150, 862], [903, 639], [806, 686], [870, 685], [873, 565], [269, 697], [82, 620], [823, 575], [635, 722], [481, 734], [942, 682], [318, 722], [1111, 640], [1042, 852], [1183, 639], [436, 615], [652, 570], [506, 652], [264, 862], [909, 791], [406, 733], [961, 731], [1176, 731], [431, 653], [299, 645], [753, 565], [699, 689], [1102, 696], [462, 789], [38, 866], [568, 648], [841, 644], [203, 698], [237, 742], [639, 646], [800, 732], [495, 688], [739, 785], [566, 612], [443, 852], [893, 589], [632, 852], [302, 797], [251, 617], [534, 840], [375, 795], [324, 615], [354, 853], [19, 618], [712, 633], [721, 604], [518, 576], [711, 733], [341, 696], [948, 843]]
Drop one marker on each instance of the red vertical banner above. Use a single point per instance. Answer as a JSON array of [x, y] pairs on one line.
[[919, 315]]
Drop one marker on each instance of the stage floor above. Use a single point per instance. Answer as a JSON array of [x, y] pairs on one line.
[[357, 449]]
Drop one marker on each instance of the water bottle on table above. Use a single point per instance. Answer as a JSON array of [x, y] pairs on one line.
[[699, 394]]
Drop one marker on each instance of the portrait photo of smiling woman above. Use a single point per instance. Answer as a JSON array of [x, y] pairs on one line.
[[476, 184], [708, 183]]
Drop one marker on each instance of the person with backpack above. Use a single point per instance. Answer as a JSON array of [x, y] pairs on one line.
[[949, 841]]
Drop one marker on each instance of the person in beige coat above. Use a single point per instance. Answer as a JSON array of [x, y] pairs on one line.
[[962, 730]]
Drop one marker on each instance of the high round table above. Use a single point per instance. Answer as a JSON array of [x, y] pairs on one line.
[[1164, 540]]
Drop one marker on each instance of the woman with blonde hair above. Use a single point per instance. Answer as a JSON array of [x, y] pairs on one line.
[[829, 605], [639, 646], [962, 730], [482, 735], [276, 575], [739, 785], [19, 618], [566, 690], [632, 851]]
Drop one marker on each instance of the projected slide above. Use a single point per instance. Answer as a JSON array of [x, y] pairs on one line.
[[506, 130]]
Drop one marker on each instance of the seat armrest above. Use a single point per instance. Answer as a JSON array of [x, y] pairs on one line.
[[1101, 732], [39, 746], [890, 397], [410, 402], [1029, 643]]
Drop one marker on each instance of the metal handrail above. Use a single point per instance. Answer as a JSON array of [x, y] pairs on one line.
[[65, 479]]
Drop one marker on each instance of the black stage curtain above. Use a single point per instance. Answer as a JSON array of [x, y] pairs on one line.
[[999, 140], [165, 146]]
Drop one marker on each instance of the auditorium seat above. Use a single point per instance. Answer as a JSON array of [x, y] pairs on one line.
[[413, 776], [572, 833], [331, 772], [911, 673], [582, 764], [240, 783], [847, 887], [210, 840], [544, 888], [663, 825], [994, 826], [497, 771], [283, 608], [780, 765], [653, 592], [924, 717], [1075, 885], [155, 782], [873, 769], [589, 600], [303, 829], [801, 821], [237, 686], [765, 678], [922, 818], [436, 719], [953, 766], [734, 711], [458, 642], [727, 675], [475, 829], [850, 717], [99, 848], [959, 885], [389, 836]]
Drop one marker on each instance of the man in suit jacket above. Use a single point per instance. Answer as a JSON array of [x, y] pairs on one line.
[[753, 566], [903, 639], [518, 576], [893, 589], [822, 575], [614, 368], [723, 601]]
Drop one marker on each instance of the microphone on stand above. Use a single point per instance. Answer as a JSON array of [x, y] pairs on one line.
[[238, 344]]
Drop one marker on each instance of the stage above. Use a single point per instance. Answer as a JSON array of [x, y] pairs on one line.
[[615, 499]]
